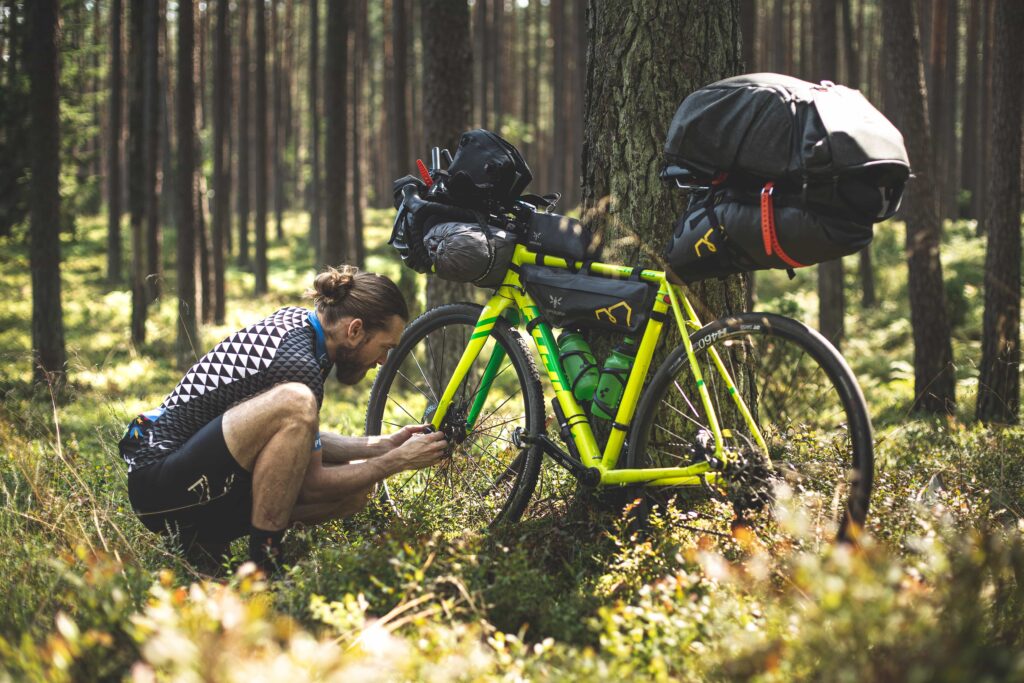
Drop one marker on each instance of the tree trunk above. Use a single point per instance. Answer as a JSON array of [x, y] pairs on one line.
[[137, 180], [221, 162], [151, 148], [985, 119], [971, 138], [635, 82], [395, 102], [480, 16], [999, 377], [260, 145], [556, 172], [358, 67], [335, 238], [497, 27], [831, 302], [447, 81], [244, 134], [277, 125], [748, 33], [315, 219], [934, 382], [941, 103], [48, 354], [114, 151], [168, 174], [188, 326]]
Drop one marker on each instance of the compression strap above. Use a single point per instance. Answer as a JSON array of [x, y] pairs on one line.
[[768, 234]]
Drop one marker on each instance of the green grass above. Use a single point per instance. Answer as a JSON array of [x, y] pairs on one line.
[[87, 593]]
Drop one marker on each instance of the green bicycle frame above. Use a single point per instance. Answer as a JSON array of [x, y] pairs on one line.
[[511, 296]]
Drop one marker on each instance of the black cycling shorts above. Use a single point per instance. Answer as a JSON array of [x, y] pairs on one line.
[[199, 491]]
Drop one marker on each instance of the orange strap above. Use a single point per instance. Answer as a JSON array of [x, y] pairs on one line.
[[768, 236]]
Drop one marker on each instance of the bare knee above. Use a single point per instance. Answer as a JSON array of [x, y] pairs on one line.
[[296, 404]]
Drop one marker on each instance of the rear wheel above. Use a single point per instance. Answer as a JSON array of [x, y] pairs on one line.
[[488, 479], [807, 406]]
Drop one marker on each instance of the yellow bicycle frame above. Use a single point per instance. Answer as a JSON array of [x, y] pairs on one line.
[[511, 294]]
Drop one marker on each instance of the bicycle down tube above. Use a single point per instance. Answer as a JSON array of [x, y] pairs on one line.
[[511, 296]]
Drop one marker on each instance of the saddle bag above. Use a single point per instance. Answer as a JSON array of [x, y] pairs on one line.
[[728, 232], [798, 172], [582, 300]]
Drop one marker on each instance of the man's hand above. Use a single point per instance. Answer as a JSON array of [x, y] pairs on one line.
[[417, 451], [396, 439]]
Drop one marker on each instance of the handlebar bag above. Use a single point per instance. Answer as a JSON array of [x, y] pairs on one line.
[[487, 170], [467, 252], [556, 235], [581, 300]]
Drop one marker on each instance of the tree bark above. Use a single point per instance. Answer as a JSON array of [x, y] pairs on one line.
[[985, 119], [335, 238], [447, 81], [114, 131], [999, 378], [559, 123], [831, 301], [971, 138], [277, 125], [315, 217], [151, 150], [358, 240], [635, 82], [244, 134], [934, 381], [48, 353], [137, 180], [188, 326], [260, 145], [221, 162], [748, 33]]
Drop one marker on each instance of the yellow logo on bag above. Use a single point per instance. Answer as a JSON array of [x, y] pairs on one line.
[[608, 312], [704, 240]]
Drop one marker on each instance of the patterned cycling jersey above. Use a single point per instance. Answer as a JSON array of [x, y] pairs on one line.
[[288, 346]]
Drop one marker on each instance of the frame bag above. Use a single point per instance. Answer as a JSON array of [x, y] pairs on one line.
[[582, 300]]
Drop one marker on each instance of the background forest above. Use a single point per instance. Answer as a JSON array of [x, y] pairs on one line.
[[173, 170]]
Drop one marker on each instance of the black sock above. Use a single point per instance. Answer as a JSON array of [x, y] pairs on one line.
[[265, 549]]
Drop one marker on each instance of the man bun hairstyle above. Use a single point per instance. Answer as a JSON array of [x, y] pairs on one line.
[[345, 292]]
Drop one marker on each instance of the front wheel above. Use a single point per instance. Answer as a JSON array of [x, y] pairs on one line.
[[806, 405], [487, 479]]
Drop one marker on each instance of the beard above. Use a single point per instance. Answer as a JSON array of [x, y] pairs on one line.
[[348, 368]]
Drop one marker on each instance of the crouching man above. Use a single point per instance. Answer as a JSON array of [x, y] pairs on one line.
[[235, 448]]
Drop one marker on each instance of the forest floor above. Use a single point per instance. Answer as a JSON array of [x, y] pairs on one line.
[[935, 592]]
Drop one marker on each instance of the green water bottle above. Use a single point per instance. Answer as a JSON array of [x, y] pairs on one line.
[[579, 363], [612, 382]]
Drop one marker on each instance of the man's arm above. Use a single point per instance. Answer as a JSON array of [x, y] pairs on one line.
[[341, 449], [329, 484], [338, 449]]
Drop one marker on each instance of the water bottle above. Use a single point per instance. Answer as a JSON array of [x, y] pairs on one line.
[[612, 381], [579, 364]]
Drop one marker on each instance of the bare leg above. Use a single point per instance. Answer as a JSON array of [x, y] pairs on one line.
[[271, 435], [318, 513]]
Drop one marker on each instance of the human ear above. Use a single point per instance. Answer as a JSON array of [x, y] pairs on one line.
[[355, 329]]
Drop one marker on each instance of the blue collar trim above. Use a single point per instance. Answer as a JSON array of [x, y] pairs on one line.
[[321, 340]]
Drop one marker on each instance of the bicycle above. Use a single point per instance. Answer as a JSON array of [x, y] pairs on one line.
[[741, 406]]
